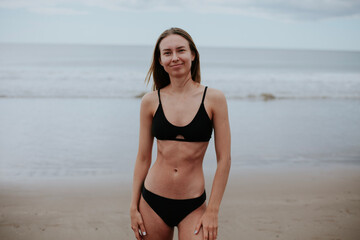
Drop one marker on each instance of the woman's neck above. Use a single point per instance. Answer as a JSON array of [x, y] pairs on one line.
[[179, 85]]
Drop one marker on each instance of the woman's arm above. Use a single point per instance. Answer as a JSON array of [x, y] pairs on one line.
[[221, 124], [143, 162]]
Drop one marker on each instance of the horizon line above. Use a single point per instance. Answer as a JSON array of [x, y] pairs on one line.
[[199, 46]]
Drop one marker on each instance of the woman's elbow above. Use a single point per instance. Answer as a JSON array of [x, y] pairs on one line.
[[144, 158], [225, 163]]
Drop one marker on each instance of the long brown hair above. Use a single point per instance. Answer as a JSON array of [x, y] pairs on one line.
[[160, 76]]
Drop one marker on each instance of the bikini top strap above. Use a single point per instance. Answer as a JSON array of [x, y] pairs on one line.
[[159, 96], [204, 95]]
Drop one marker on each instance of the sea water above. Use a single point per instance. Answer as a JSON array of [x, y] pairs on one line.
[[78, 71]]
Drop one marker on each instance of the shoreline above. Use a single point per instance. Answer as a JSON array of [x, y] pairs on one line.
[[259, 203]]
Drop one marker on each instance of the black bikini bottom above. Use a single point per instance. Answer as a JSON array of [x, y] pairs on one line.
[[172, 211]]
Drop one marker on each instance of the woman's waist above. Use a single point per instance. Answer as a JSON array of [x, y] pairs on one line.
[[176, 183]]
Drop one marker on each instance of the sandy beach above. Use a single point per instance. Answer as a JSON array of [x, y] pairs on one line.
[[259, 203]]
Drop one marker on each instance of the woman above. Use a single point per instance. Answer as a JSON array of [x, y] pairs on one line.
[[172, 192]]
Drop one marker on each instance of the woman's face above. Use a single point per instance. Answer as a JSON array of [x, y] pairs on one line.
[[176, 55]]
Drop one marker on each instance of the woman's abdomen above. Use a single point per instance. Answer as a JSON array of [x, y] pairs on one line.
[[177, 172]]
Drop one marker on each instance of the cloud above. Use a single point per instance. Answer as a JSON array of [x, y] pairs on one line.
[[306, 9], [57, 11], [283, 9]]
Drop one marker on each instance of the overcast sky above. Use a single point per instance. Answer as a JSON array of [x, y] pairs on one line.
[[299, 24]]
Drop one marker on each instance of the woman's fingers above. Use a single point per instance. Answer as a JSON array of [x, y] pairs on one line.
[[142, 229], [213, 233], [137, 225], [206, 233], [136, 232], [210, 233], [197, 228]]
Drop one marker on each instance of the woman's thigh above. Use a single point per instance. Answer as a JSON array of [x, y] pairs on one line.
[[186, 227], [156, 228]]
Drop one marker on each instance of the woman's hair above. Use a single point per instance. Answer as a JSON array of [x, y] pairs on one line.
[[160, 76]]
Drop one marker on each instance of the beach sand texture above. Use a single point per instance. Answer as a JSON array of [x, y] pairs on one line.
[[266, 203]]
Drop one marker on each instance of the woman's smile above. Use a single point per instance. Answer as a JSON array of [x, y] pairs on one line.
[[177, 65]]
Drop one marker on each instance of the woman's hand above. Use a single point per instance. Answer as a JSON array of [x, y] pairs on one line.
[[209, 224], [137, 224]]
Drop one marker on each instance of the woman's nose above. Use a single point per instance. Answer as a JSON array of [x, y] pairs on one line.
[[175, 57]]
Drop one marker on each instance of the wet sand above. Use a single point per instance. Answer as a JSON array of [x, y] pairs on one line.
[[259, 203]]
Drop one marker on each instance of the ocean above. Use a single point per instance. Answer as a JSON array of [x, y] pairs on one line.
[[81, 71], [73, 110]]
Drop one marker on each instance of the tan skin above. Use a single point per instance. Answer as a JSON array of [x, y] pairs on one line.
[[177, 172]]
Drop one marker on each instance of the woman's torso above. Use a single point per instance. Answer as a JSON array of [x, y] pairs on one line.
[[177, 172]]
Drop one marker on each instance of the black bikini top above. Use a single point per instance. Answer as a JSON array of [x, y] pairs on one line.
[[198, 130]]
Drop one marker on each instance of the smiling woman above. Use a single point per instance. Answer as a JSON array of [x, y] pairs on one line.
[[184, 46], [176, 56], [172, 193]]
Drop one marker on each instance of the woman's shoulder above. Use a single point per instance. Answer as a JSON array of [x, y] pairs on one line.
[[149, 96], [216, 102], [150, 101], [215, 95]]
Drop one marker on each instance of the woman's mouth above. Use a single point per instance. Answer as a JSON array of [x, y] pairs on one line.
[[176, 65]]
